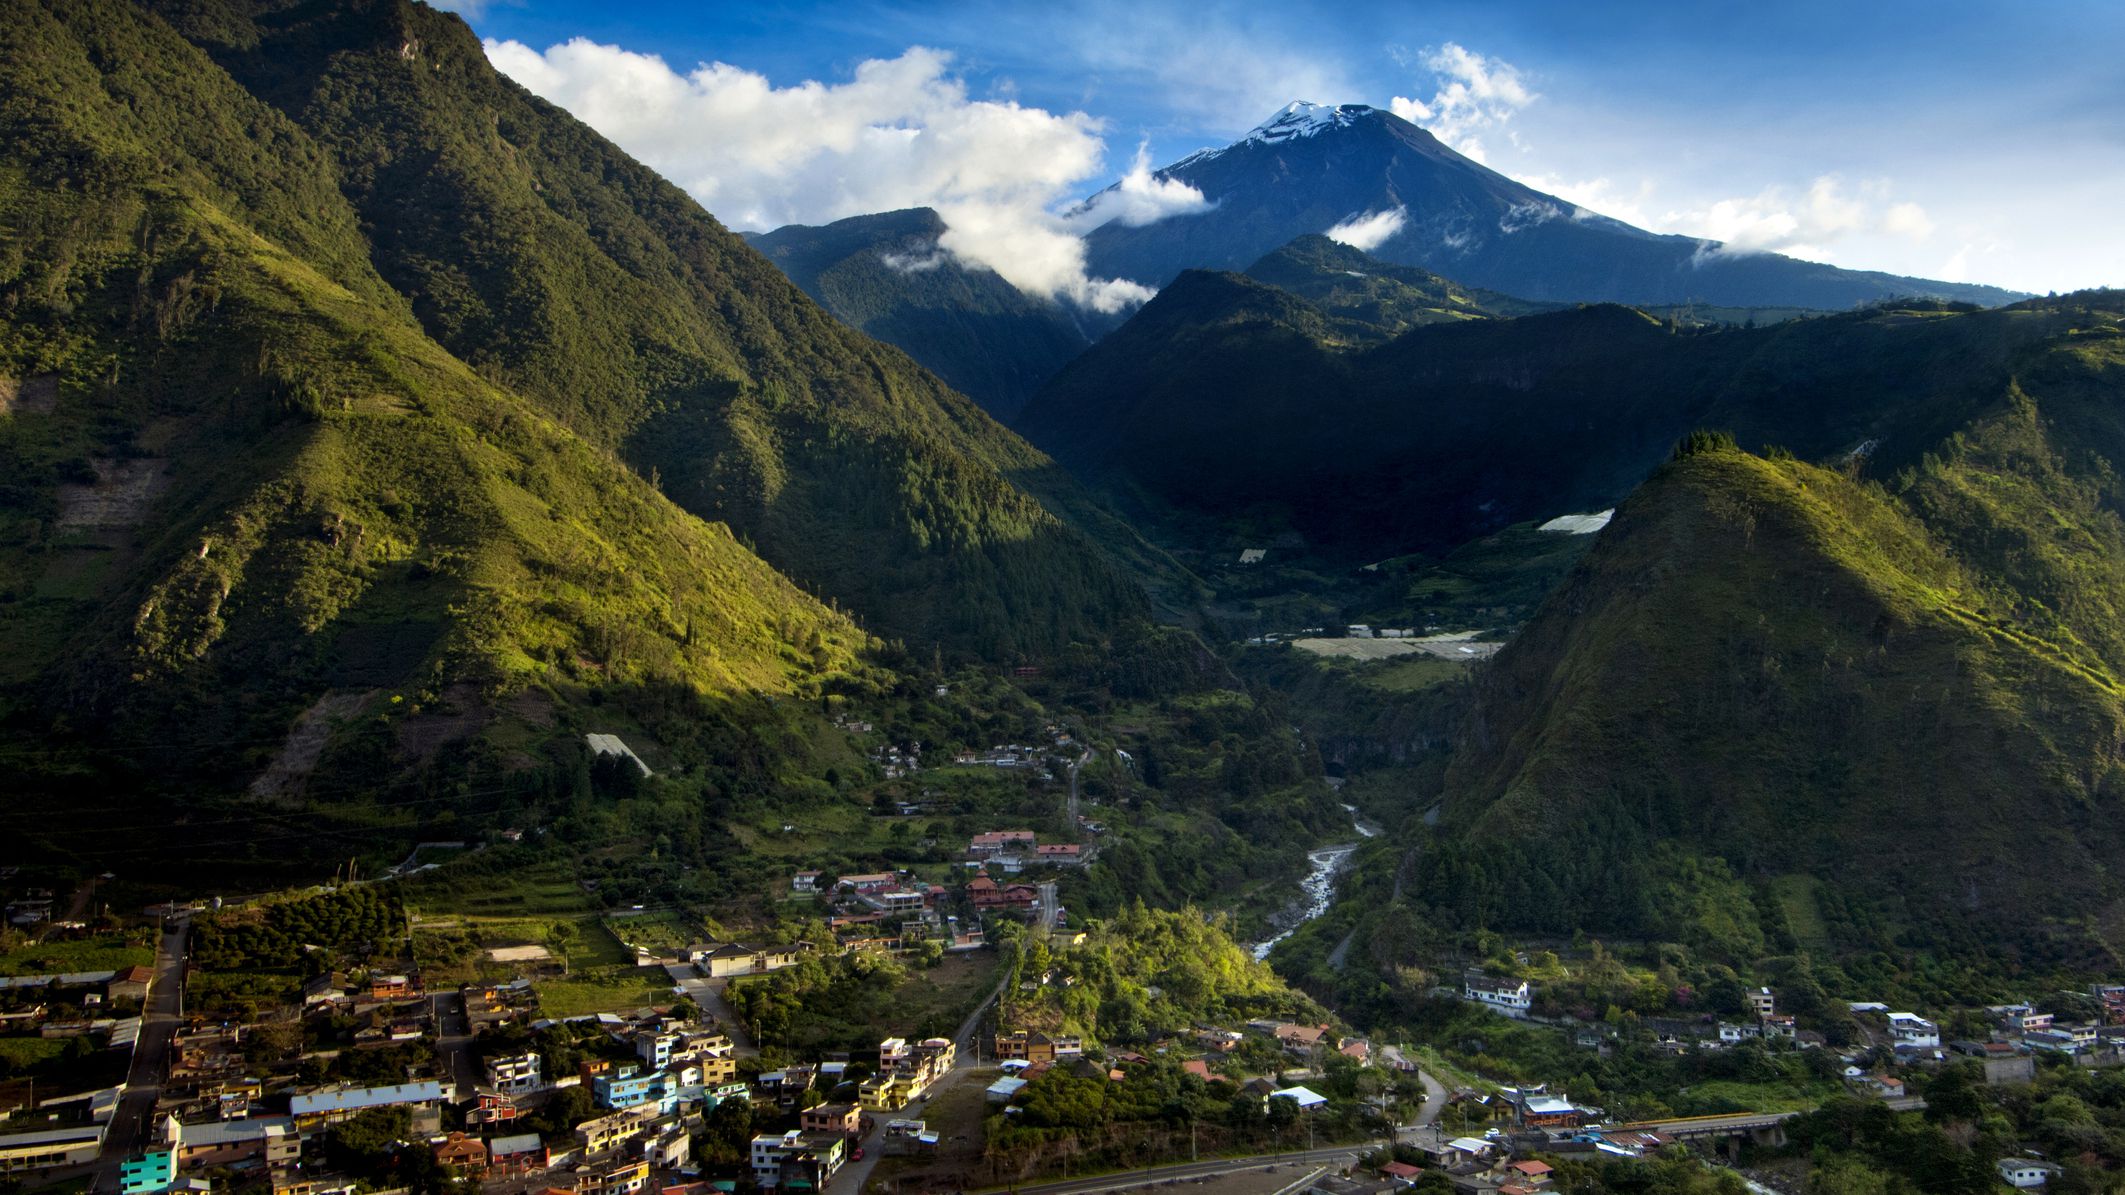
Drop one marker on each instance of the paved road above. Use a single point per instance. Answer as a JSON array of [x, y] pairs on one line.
[[708, 993], [453, 1041], [1082, 759], [1048, 907], [129, 1128], [1297, 1163], [1434, 1101]]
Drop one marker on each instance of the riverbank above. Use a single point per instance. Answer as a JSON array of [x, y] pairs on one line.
[[1317, 889]]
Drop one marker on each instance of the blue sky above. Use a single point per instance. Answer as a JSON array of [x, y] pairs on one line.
[[1980, 141]]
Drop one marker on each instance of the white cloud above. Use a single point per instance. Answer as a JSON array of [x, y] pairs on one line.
[[1140, 198], [913, 263], [1806, 225], [1907, 220], [902, 132], [1474, 93], [1212, 66], [1811, 223], [1365, 232]]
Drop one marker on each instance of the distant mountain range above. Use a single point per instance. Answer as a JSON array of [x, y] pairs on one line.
[[1866, 680], [1313, 167], [1226, 395], [1506, 248]]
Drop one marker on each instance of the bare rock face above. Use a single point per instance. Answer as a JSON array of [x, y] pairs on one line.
[[121, 495], [29, 396]]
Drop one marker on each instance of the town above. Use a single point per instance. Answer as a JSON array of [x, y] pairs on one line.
[[366, 1077]]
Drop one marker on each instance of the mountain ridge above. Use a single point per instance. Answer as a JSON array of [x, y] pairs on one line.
[[1459, 219], [542, 253], [886, 276]]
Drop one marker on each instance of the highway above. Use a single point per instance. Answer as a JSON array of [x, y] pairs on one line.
[[163, 1007], [1298, 1162]]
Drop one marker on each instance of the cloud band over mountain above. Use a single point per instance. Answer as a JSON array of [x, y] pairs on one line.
[[902, 132]]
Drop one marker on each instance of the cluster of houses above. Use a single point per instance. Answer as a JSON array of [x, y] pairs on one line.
[[1026, 1054], [895, 762], [103, 1005], [1475, 1164], [649, 1104], [896, 911], [1012, 851]]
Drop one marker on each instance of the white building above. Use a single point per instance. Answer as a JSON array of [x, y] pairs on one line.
[[2026, 1172], [1508, 996], [514, 1075], [1911, 1029], [1305, 1098]]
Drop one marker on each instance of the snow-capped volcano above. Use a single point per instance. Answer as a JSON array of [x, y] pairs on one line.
[[1300, 118], [1312, 167]]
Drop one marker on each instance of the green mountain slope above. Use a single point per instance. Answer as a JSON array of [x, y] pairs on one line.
[[1895, 708], [885, 276], [544, 257], [1369, 294], [241, 482]]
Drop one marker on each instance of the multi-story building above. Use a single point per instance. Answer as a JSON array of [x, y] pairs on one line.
[[655, 1047], [635, 1088], [608, 1133], [1910, 1029], [515, 1074], [845, 1119], [614, 1175], [148, 1173], [797, 1158]]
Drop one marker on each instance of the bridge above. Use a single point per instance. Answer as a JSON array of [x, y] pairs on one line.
[[1763, 1128]]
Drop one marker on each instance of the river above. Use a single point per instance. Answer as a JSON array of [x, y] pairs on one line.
[[1318, 889]]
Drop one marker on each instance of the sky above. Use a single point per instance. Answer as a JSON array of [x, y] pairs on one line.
[[1966, 141]]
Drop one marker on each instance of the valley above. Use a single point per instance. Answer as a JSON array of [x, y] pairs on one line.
[[513, 685]]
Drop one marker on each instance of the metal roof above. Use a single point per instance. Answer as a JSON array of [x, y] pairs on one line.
[[352, 1099]]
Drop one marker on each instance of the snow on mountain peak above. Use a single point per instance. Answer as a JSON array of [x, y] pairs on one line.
[[1297, 119], [1302, 119]]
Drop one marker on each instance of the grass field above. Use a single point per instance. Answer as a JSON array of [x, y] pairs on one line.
[[1357, 649], [615, 992], [22, 1054], [1727, 1096], [546, 887], [454, 950], [1796, 895], [665, 931], [938, 999], [1412, 674], [109, 952]]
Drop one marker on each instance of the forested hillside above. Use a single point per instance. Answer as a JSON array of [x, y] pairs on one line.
[[887, 276], [241, 482], [369, 430], [548, 260], [1226, 395], [1894, 704]]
